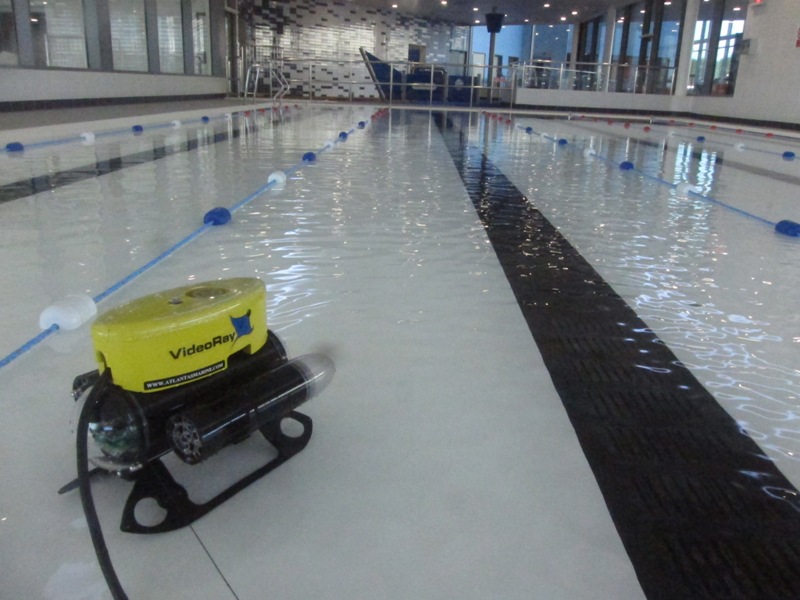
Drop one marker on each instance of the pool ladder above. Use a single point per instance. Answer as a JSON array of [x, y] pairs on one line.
[[269, 71]]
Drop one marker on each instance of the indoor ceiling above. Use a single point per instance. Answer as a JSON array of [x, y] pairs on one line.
[[462, 12]]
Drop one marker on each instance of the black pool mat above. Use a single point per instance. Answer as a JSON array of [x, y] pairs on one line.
[[50, 181], [701, 511]]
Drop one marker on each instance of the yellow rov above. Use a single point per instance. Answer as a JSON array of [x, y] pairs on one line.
[[177, 336], [189, 370]]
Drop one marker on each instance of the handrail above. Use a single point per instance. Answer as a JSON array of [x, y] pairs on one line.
[[352, 79], [597, 76]]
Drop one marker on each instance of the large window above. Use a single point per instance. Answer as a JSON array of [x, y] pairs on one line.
[[700, 45], [662, 65], [128, 37], [645, 51], [8, 35], [728, 48], [201, 36], [58, 35], [716, 47], [670, 40], [552, 42], [170, 36], [551, 45], [591, 42], [54, 33]]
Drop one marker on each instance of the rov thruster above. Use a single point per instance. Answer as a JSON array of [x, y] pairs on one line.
[[189, 370]]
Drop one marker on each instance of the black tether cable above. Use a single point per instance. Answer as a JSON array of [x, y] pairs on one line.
[[84, 484]]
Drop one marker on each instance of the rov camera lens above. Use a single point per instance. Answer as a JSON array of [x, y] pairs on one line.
[[117, 430]]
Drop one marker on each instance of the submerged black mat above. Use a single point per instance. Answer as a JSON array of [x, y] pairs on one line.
[[700, 510]]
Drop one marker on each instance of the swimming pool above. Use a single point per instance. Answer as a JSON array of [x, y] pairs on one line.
[[443, 461]]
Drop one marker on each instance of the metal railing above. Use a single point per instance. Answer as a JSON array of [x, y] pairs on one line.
[[448, 83], [596, 77]]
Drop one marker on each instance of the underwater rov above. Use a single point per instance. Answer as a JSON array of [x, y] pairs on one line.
[[189, 370]]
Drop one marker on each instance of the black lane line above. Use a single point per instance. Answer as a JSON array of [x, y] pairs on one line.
[[42, 183], [700, 510]]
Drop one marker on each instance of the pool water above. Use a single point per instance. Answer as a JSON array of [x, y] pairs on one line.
[[442, 463], [711, 280]]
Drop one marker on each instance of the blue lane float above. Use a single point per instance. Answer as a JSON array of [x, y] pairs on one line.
[[217, 216], [626, 165], [362, 124], [562, 142], [205, 119], [309, 157], [701, 138], [529, 130], [137, 129], [15, 147], [343, 136], [788, 155], [787, 227]]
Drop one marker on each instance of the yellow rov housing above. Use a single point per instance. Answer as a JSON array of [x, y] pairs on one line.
[[177, 336]]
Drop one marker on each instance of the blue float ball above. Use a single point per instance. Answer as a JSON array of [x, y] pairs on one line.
[[205, 119], [787, 227], [529, 130], [137, 129], [625, 165], [309, 157], [217, 216], [788, 155], [701, 138], [15, 147], [562, 142], [362, 124], [343, 135]]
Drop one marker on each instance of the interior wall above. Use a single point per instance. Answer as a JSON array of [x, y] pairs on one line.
[[335, 30], [31, 85]]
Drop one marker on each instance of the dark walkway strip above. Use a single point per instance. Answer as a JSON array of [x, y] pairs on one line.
[[701, 512], [43, 183]]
